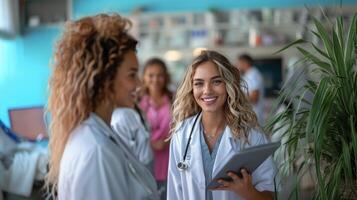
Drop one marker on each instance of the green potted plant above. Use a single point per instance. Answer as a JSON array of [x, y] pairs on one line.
[[326, 129]]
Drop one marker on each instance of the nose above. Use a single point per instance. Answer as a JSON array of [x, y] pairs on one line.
[[137, 81], [207, 88], [155, 79]]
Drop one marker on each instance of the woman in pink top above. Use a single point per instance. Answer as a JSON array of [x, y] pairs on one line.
[[156, 104]]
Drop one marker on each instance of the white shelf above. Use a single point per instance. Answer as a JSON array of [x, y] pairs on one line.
[[259, 32]]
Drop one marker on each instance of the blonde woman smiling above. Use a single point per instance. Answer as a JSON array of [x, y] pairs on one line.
[[211, 104]]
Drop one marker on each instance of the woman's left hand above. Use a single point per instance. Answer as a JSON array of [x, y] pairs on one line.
[[244, 187], [241, 186]]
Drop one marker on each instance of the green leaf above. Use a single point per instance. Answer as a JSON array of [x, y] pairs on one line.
[[339, 31], [320, 51], [323, 35], [346, 161], [338, 55], [299, 41], [353, 123], [323, 65], [350, 44]]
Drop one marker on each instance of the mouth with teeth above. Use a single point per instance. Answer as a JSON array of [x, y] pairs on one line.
[[209, 100]]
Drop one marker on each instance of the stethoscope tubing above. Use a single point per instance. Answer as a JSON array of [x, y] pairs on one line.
[[182, 165]]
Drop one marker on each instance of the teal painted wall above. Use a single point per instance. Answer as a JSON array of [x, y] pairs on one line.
[[24, 61], [88, 7], [24, 70]]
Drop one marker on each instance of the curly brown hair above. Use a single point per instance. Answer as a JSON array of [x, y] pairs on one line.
[[86, 59]]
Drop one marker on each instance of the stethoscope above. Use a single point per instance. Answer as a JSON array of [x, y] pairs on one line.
[[182, 165]]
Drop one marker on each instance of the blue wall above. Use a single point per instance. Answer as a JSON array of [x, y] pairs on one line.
[[87, 7], [24, 61], [24, 70]]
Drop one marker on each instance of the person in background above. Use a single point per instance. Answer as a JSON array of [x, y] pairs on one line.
[[211, 95], [131, 127], [255, 84], [95, 71], [156, 104]]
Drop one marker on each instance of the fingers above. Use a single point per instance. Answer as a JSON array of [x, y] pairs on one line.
[[220, 188], [237, 180], [224, 183], [246, 176], [244, 173], [234, 176]]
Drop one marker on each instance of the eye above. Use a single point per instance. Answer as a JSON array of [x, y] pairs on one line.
[[133, 75], [217, 82], [198, 84]]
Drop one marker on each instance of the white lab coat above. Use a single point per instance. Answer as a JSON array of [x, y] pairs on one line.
[[126, 123], [255, 81], [96, 164], [190, 184]]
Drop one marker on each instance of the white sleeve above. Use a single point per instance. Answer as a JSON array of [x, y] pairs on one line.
[[126, 123], [120, 123], [100, 175], [174, 185], [263, 176], [143, 150], [254, 81]]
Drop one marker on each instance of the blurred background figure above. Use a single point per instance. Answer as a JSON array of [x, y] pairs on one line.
[[131, 127], [255, 87], [156, 104]]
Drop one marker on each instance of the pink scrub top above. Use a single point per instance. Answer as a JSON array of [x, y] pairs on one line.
[[159, 119]]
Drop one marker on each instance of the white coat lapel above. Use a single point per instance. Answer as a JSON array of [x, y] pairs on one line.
[[225, 151], [105, 129]]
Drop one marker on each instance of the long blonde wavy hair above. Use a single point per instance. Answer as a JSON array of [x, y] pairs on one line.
[[238, 111], [85, 63]]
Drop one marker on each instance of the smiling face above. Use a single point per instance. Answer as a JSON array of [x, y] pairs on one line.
[[154, 78], [209, 88], [126, 81]]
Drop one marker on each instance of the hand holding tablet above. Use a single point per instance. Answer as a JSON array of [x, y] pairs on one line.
[[248, 159]]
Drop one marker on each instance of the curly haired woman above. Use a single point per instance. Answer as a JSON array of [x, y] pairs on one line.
[[211, 95], [95, 71]]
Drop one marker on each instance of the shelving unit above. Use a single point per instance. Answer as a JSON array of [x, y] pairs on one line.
[[177, 37], [232, 28], [213, 29]]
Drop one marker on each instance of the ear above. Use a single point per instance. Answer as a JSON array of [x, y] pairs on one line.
[[108, 92]]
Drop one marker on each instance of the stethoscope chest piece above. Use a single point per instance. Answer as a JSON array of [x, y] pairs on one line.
[[182, 165]]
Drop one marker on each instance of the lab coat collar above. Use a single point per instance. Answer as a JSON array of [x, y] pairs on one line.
[[95, 119], [108, 131], [227, 148]]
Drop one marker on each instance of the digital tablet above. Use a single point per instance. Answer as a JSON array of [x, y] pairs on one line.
[[250, 159]]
